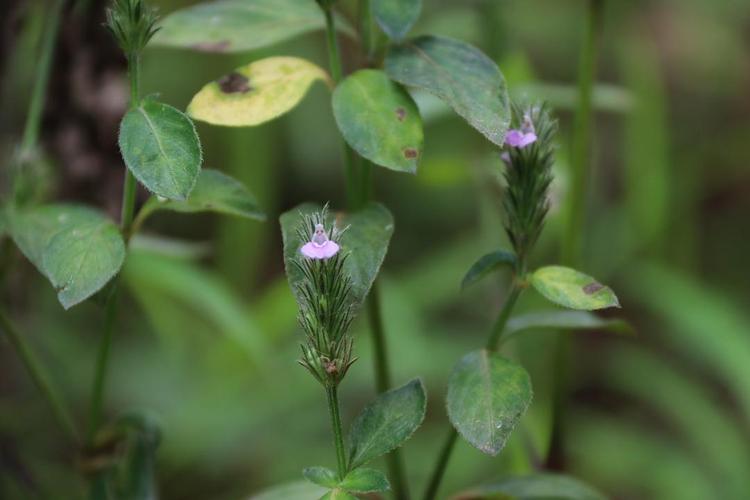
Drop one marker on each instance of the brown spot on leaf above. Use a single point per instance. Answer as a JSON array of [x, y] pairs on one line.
[[592, 288], [400, 114], [410, 153], [234, 83], [220, 46]]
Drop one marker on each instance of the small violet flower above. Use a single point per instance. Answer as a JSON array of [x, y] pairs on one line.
[[319, 247], [520, 138]]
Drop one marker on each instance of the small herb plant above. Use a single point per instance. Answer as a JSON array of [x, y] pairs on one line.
[[332, 260]]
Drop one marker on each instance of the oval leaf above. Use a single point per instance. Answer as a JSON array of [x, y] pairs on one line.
[[364, 480], [321, 476], [386, 423], [77, 248], [565, 320], [459, 74], [299, 490], [487, 395], [487, 264], [366, 240], [161, 148], [240, 25], [379, 120], [213, 192], [255, 93], [396, 17], [338, 494], [570, 288], [535, 487]]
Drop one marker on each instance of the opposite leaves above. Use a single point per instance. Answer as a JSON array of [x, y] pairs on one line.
[[386, 423], [161, 148], [77, 248], [487, 395]]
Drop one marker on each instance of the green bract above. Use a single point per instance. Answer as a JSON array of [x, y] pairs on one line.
[[255, 93], [161, 148], [487, 395], [396, 17], [487, 264], [213, 192], [379, 120], [459, 74], [570, 288], [386, 423], [366, 241], [240, 25], [77, 248]]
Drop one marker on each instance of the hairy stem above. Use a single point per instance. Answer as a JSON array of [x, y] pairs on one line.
[[493, 342], [39, 376], [338, 435], [572, 244]]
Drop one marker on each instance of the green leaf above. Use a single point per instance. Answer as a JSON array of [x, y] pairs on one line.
[[77, 248], [544, 486], [396, 17], [322, 476], [138, 468], [255, 93], [459, 74], [565, 320], [487, 264], [487, 395], [240, 25], [338, 494], [298, 490], [213, 192], [364, 480], [366, 240], [570, 288], [379, 120], [386, 423], [161, 148]]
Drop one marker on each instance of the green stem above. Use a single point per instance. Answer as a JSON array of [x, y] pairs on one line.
[[338, 435], [38, 375], [367, 34], [34, 116], [493, 342], [572, 244], [334, 60]]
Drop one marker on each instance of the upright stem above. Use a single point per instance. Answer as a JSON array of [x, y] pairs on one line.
[[338, 435], [367, 34], [129, 187], [572, 244], [38, 375], [34, 117], [493, 342]]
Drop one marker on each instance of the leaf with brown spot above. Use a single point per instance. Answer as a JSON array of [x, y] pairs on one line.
[[256, 93], [572, 289]]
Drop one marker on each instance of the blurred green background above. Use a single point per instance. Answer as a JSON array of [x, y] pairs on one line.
[[207, 339]]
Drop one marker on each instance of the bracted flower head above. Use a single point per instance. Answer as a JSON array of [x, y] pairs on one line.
[[132, 23], [522, 137]]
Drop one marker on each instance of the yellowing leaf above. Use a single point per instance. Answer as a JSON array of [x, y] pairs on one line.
[[255, 93]]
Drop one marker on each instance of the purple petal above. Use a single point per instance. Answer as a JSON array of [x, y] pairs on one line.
[[320, 252], [527, 139], [513, 138]]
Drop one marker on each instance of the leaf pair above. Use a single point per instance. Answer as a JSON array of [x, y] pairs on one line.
[[381, 427]]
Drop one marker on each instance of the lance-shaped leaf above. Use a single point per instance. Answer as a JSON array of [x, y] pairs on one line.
[[364, 480], [487, 264], [214, 192], [396, 17], [255, 93], [459, 74], [565, 320], [161, 148], [379, 120], [366, 242], [487, 395], [299, 490], [386, 423], [322, 476], [535, 487], [570, 288], [77, 248], [240, 25]]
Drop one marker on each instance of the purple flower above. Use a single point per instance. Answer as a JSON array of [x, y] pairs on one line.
[[319, 247], [520, 138]]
